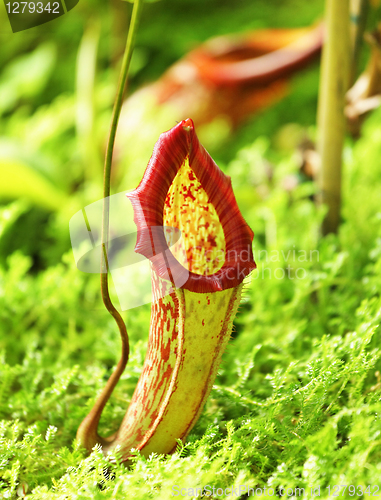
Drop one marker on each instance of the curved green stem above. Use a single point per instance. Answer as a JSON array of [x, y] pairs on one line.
[[87, 432]]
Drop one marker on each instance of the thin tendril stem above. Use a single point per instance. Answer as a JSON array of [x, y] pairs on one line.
[[87, 433], [138, 4]]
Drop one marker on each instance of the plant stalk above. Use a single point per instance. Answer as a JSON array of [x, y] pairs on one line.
[[358, 14], [87, 433], [334, 79]]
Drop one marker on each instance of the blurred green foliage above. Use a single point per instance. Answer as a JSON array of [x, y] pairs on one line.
[[297, 399], [58, 82]]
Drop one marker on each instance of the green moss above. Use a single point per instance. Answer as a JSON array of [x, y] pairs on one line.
[[297, 399]]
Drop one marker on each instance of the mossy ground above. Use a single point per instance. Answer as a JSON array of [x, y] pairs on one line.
[[297, 400]]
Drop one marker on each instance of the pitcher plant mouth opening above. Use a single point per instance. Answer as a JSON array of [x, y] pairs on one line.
[[184, 188], [190, 326]]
